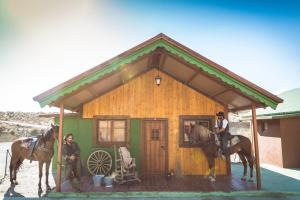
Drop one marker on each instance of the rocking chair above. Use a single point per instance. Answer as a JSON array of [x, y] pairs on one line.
[[125, 166]]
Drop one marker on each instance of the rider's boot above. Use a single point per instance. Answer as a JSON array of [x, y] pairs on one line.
[[221, 154]]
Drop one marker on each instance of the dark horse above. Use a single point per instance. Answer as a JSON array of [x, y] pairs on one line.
[[209, 144], [43, 152]]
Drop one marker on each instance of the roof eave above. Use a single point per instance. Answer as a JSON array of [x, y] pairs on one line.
[[262, 96]]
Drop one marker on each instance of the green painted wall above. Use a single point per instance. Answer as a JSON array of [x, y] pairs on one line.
[[135, 130], [82, 130]]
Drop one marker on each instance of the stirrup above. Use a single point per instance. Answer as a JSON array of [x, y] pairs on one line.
[[221, 155]]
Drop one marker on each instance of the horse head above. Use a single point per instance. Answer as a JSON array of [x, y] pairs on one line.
[[54, 130], [199, 134]]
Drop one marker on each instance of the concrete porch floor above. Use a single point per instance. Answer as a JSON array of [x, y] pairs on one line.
[[275, 185]]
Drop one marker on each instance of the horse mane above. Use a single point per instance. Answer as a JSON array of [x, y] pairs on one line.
[[201, 134], [47, 136]]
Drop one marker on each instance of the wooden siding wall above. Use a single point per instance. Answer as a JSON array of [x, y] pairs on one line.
[[269, 143], [290, 130], [141, 98]]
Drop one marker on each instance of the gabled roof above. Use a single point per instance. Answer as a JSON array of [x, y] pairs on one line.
[[172, 58], [289, 108]]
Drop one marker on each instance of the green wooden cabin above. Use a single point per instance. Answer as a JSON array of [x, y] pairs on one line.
[[119, 103]]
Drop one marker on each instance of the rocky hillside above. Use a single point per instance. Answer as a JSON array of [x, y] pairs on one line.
[[22, 124]]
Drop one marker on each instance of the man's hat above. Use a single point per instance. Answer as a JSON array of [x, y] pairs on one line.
[[220, 114]]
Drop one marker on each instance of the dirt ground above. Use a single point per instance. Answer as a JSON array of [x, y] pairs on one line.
[[27, 177]]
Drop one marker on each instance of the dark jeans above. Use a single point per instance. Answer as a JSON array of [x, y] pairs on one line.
[[224, 138], [73, 173]]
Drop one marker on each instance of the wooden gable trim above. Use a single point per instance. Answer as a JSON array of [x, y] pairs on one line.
[[171, 46]]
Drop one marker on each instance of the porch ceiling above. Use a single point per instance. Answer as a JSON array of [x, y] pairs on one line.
[[215, 82]]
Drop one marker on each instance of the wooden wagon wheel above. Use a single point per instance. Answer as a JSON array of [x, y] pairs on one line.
[[99, 162]]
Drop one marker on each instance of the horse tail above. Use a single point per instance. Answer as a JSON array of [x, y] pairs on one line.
[[10, 166], [16, 159], [17, 166]]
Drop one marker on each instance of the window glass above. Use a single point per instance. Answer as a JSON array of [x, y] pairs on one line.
[[187, 136], [111, 130]]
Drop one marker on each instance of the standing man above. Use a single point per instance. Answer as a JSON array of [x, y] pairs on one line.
[[222, 129], [71, 156]]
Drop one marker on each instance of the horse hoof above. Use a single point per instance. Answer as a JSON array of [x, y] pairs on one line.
[[251, 180], [212, 179], [49, 189], [243, 178]]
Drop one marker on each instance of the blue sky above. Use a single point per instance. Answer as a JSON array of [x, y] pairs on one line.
[[44, 43]]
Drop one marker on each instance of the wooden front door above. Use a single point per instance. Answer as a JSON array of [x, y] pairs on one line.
[[154, 147]]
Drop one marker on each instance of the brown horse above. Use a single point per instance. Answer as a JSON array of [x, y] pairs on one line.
[[42, 152], [209, 143]]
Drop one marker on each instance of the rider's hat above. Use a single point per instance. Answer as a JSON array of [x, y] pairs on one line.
[[220, 114]]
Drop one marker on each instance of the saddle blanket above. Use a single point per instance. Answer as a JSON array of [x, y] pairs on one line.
[[28, 143], [233, 141]]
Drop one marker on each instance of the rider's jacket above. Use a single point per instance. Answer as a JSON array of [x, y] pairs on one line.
[[220, 123]]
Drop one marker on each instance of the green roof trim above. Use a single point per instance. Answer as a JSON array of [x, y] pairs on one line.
[[118, 62]]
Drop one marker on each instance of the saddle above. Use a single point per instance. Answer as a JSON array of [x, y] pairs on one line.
[[29, 144], [233, 140]]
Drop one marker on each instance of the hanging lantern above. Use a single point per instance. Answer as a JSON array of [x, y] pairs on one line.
[[157, 80]]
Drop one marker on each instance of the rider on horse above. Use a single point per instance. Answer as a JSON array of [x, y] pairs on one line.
[[222, 129]]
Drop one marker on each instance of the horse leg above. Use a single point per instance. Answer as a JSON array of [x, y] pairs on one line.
[[16, 165], [211, 165], [244, 161], [47, 175], [40, 176], [250, 162]]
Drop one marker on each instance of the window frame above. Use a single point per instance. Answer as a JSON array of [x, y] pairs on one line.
[[209, 118], [98, 118]]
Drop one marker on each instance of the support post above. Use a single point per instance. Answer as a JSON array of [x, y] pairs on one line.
[[254, 123], [228, 161], [59, 149]]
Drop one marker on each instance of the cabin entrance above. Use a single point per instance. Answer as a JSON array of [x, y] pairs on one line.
[[154, 147]]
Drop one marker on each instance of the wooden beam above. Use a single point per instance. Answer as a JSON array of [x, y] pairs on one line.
[[192, 77], [197, 90], [149, 59], [248, 107], [126, 81], [217, 80], [59, 149], [162, 60], [96, 81], [219, 93], [254, 123]]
